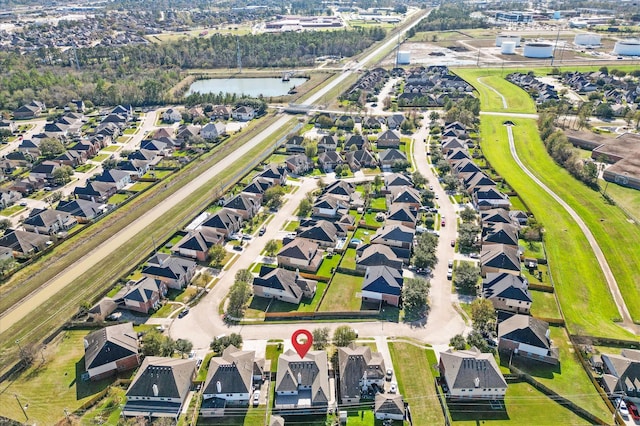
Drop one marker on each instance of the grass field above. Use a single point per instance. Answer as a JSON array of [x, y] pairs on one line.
[[627, 198], [272, 352], [544, 305], [51, 387], [563, 237], [518, 100], [617, 237], [568, 378], [306, 305], [343, 294], [416, 383], [329, 262], [524, 405]]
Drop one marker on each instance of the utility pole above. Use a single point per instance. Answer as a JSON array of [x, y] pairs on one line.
[[238, 55]]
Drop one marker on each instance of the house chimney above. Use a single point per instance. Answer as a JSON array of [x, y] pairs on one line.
[[219, 386], [299, 378], [155, 390], [476, 382]]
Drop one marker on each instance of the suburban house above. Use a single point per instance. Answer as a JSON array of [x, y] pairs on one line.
[[389, 406], [471, 374], [402, 214], [186, 132], [394, 236], [230, 381], [213, 131], [491, 216], [396, 179], [44, 170], [488, 197], [95, 191], [323, 233], [359, 368], [406, 195], [31, 110], [48, 221], [276, 174], [142, 295], [377, 255], [83, 210], [9, 198], [196, 243], [220, 112], [225, 222], [507, 292], [302, 384], [356, 140], [526, 337], [499, 258], [244, 204], [300, 254], [500, 233], [327, 143], [243, 113], [8, 125], [176, 272], [329, 160], [283, 284], [118, 178], [298, 164], [361, 158], [102, 309], [30, 146], [389, 157], [622, 372], [382, 284], [329, 206], [172, 115], [23, 243], [388, 139], [160, 387], [341, 189], [111, 350], [295, 144]]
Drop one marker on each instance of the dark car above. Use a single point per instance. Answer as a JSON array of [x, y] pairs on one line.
[[183, 313], [237, 248], [262, 231]]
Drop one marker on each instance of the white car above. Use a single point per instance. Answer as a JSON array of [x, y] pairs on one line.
[[256, 398], [236, 236], [393, 388], [622, 408]]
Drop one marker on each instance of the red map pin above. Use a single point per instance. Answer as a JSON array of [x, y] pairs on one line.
[[302, 347]]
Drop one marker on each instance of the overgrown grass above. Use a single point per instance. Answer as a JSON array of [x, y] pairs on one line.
[[416, 382], [568, 252]]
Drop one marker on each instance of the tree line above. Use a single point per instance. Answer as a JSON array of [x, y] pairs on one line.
[[451, 16]]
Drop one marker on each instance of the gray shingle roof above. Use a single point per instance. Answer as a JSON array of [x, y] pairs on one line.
[[171, 376], [462, 368], [110, 344]]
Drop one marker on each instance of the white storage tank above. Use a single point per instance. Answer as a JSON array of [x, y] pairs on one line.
[[587, 39], [404, 57], [538, 50], [628, 47], [501, 38], [508, 48]]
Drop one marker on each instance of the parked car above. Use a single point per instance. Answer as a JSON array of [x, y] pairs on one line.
[[622, 407], [256, 398], [633, 411], [247, 237], [393, 388], [235, 236], [449, 274], [183, 313], [237, 248], [453, 243], [389, 375], [262, 231], [443, 222], [474, 255]]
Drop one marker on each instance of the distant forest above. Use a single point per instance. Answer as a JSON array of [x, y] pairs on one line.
[[142, 74], [450, 16]]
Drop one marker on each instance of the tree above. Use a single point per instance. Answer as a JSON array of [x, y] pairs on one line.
[[4, 224], [109, 163], [183, 346], [450, 182], [271, 247], [6, 265], [377, 182], [216, 253], [220, 344], [418, 179], [239, 295], [62, 175], [424, 254], [475, 338], [156, 344], [468, 234], [305, 207], [343, 335], [604, 110], [400, 165], [468, 214], [273, 196], [320, 338], [415, 297], [458, 342], [433, 115], [51, 148], [310, 149], [483, 315], [244, 275], [466, 277], [5, 134]]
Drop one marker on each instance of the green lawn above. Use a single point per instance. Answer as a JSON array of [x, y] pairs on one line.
[[363, 234], [349, 259], [379, 203], [341, 294], [563, 237], [416, 382], [568, 378], [544, 305], [10, 211], [533, 249], [118, 198], [158, 174], [292, 226], [84, 168], [251, 416], [306, 305], [101, 157], [140, 186], [524, 406], [329, 262], [627, 198], [51, 387], [617, 237], [272, 352], [130, 131], [517, 99], [370, 219], [111, 148], [108, 410], [202, 373]]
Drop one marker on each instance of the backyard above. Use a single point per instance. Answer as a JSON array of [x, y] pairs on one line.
[[544, 305], [50, 387], [411, 365], [343, 294]]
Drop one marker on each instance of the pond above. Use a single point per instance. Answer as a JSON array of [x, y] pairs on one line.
[[246, 86]]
